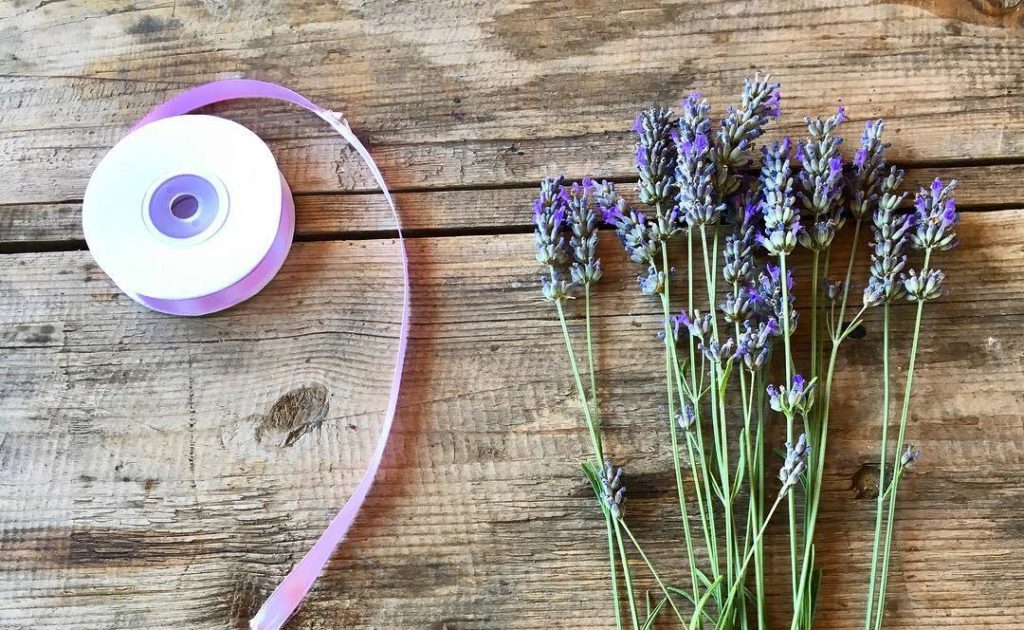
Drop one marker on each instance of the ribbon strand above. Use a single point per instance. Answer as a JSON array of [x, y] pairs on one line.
[[289, 594]]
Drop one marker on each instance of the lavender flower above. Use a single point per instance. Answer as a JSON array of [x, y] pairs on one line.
[[738, 250], [792, 399], [738, 306], [687, 417], [767, 297], [822, 174], [868, 165], [935, 217], [717, 353], [910, 455], [695, 167], [834, 289], [890, 229], [754, 344], [586, 267], [613, 492], [699, 326], [740, 128], [924, 287], [635, 232], [781, 217], [655, 156], [795, 464]]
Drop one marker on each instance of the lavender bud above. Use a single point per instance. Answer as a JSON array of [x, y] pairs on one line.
[[652, 282], [795, 464], [819, 237], [738, 306], [834, 289], [910, 455], [924, 287], [754, 344], [655, 155], [556, 289], [613, 492], [698, 326], [890, 238], [687, 417], [586, 267], [718, 354], [935, 217], [740, 128], [868, 164], [796, 398]]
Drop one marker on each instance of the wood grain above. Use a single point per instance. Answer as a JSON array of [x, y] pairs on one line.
[[140, 489], [164, 473], [476, 93]]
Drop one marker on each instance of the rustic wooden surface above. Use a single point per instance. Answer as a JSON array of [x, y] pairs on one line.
[[165, 473]]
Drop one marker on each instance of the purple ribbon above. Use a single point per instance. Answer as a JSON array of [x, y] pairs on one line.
[[293, 589]]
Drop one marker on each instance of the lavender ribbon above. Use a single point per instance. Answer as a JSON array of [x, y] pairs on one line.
[[293, 589]]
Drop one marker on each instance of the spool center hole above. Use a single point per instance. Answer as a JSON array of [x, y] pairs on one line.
[[184, 207]]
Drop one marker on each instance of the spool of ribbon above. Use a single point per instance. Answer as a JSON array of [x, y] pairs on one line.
[[189, 215]]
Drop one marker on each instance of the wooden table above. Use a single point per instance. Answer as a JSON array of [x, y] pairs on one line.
[[161, 473]]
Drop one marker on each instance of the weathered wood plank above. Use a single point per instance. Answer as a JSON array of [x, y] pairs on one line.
[[144, 481], [326, 215], [463, 94]]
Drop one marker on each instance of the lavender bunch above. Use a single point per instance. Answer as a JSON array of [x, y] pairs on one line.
[[694, 180], [932, 228]]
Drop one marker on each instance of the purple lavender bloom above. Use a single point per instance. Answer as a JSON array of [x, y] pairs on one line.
[[792, 399], [585, 268], [699, 326], [719, 354], [687, 418], [935, 217], [754, 344], [910, 455], [822, 174], [781, 216], [549, 236], [767, 297], [655, 156], [741, 128], [924, 287], [869, 165], [795, 464], [890, 238], [695, 168]]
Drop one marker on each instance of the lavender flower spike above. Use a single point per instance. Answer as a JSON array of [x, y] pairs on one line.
[[655, 156], [586, 267], [613, 492], [781, 216], [695, 168], [868, 167], [740, 128], [549, 239], [887, 258], [821, 181], [795, 464], [935, 217]]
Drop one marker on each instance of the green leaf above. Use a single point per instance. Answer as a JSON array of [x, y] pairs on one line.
[[689, 598], [649, 623], [695, 620], [741, 466]]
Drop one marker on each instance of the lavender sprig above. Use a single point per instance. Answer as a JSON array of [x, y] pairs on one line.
[[699, 203], [778, 204], [820, 181], [868, 167], [585, 268], [795, 463], [740, 128], [655, 156], [890, 229]]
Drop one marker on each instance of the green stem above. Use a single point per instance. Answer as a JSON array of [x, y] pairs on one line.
[[670, 366], [904, 415], [788, 359], [590, 358], [624, 559], [594, 437], [611, 565], [657, 578], [881, 467], [746, 560]]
